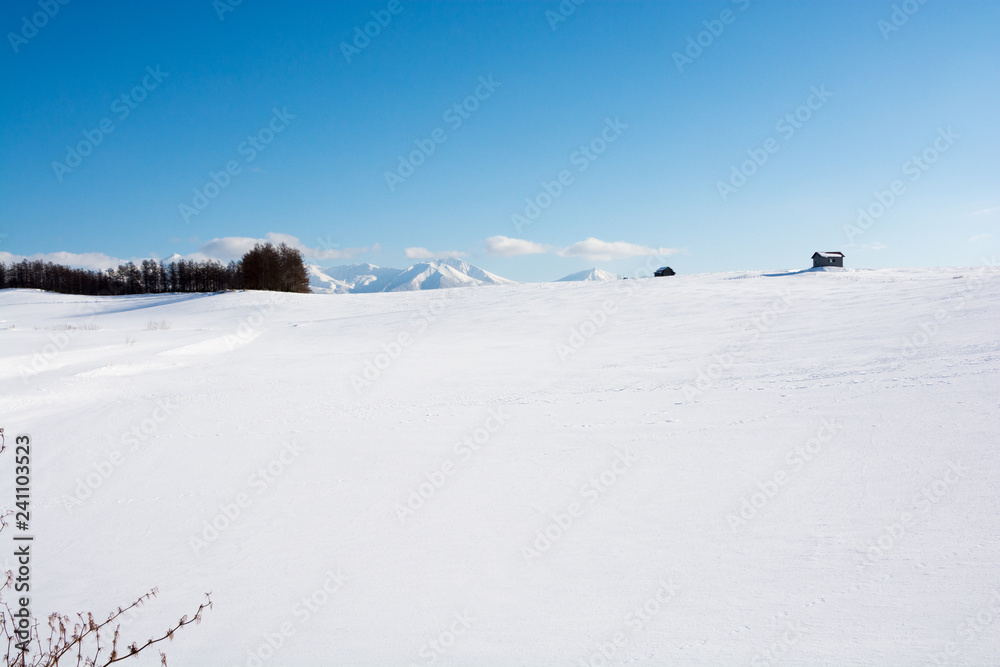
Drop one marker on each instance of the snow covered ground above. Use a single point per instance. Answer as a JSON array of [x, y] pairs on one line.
[[729, 469]]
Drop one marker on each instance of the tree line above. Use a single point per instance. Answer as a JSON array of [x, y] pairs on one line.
[[265, 267]]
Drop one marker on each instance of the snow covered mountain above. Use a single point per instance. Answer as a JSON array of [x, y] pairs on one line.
[[350, 279], [363, 278], [590, 275]]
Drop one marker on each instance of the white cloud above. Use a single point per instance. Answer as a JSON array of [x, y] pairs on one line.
[[226, 248], [590, 248], [233, 247], [424, 253], [223, 249], [85, 260], [508, 247], [605, 251], [277, 239], [986, 211], [980, 237], [335, 253]]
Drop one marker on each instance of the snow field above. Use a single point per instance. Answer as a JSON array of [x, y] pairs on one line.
[[776, 469]]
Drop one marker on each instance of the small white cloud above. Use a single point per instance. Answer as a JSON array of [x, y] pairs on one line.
[[986, 211], [424, 253], [605, 251], [980, 237], [508, 247]]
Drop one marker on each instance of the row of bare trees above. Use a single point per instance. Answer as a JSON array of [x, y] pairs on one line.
[[266, 267]]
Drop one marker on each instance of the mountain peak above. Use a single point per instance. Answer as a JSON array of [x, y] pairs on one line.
[[591, 275]]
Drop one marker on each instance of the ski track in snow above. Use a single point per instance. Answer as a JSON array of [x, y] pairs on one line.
[[825, 570]]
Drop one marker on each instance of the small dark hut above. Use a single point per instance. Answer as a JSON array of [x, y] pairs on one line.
[[828, 259]]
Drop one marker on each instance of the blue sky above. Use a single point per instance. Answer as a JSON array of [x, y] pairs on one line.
[[713, 136]]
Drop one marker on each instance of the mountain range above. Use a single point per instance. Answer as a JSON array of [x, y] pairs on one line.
[[434, 274], [365, 278]]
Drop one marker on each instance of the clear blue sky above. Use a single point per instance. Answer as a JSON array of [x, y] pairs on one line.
[[888, 91]]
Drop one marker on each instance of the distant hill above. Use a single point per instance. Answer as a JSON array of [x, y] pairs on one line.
[[591, 275], [365, 278]]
